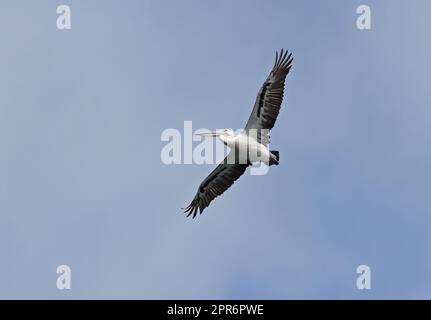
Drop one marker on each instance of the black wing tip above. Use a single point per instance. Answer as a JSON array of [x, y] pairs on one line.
[[283, 59], [193, 208]]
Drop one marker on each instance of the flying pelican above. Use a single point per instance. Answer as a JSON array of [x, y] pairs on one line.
[[251, 142]]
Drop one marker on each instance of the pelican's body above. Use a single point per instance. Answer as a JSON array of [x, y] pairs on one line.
[[256, 150], [249, 146]]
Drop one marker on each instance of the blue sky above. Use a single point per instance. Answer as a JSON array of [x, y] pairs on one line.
[[82, 183]]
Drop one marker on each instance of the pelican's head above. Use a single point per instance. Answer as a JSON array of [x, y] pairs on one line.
[[223, 134]]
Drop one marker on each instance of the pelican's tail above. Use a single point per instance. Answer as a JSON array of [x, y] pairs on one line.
[[275, 158]]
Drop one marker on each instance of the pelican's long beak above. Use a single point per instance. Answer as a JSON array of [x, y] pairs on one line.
[[209, 134]]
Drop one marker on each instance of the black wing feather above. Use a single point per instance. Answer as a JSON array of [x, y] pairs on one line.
[[270, 96], [217, 182]]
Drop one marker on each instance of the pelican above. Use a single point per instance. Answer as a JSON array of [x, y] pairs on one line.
[[250, 145]]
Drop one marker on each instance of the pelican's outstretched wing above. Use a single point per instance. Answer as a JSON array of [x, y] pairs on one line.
[[217, 182], [270, 97]]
